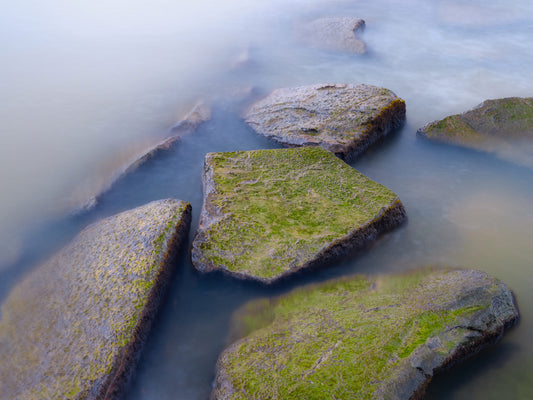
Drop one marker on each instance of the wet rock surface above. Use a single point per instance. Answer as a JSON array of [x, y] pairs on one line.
[[74, 327], [363, 337], [493, 126], [339, 34], [342, 118], [270, 213]]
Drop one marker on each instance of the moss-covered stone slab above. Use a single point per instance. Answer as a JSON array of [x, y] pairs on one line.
[[270, 213], [342, 118], [491, 126], [363, 337], [338, 34], [73, 328]]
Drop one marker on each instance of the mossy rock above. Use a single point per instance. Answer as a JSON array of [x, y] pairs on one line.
[[344, 119], [363, 337], [492, 126], [270, 213], [73, 328]]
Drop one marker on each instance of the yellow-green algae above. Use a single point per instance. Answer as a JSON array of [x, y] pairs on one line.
[[360, 337], [270, 212], [65, 327], [491, 123]]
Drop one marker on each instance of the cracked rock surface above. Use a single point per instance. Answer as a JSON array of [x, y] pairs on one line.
[[363, 337], [270, 213], [342, 118], [74, 327]]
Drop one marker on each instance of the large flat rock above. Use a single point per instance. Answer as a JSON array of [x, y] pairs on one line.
[[343, 118], [363, 337], [73, 328], [270, 213], [501, 126]]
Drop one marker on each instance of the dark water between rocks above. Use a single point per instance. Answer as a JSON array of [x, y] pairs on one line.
[[465, 208]]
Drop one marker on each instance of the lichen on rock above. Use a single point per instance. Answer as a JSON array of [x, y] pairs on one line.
[[343, 118], [270, 213], [73, 328], [493, 126], [363, 337]]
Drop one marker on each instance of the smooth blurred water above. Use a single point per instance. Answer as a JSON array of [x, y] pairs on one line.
[[82, 83]]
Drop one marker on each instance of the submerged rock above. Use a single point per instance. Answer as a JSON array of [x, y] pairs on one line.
[[340, 34], [200, 114], [74, 327], [363, 337], [342, 118], [270, 213], [493, 126]]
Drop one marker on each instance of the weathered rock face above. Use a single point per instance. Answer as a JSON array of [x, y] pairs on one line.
[[73, 328], [492, 126], [341, 34], [364, 338], [345, 119], [270, 213]]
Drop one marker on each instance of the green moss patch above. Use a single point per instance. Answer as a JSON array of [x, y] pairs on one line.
[[271, 212], [70, 323], [360, 337], [491, 124]]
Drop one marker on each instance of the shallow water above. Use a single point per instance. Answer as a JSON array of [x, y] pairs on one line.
[[465, 208]]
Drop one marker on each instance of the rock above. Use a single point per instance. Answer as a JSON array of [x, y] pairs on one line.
[[342, 118], [200, 114], [74, 327], [363, 337], [340, 34], [492, 126], [270, 213]]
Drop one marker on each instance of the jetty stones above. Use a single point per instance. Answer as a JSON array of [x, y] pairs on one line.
[[340, 34], [73, 328], [343, 118], [364, 338], [490, 126], [269, 213]]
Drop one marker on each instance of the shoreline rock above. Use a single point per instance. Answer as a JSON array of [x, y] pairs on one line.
[[270, 213], [379, 337], [75, 326], [345, 119], [200, 114], [339, 34], [500, 126]]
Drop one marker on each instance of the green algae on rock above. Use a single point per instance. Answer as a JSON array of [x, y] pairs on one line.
[[342, 118], [270, 213], [363, 337], [74, 327], [492, 126]]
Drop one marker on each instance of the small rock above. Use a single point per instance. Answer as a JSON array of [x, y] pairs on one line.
[[502, 126], [340, 34], [270, 213], [74, 327], [342, 118]]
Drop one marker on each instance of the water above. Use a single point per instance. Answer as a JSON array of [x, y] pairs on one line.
[[75, 95]]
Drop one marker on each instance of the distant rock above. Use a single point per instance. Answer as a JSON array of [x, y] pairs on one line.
[[494, 126], [74, 327], [379, 337], [342, 118], [341, 34], [270, 213]]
